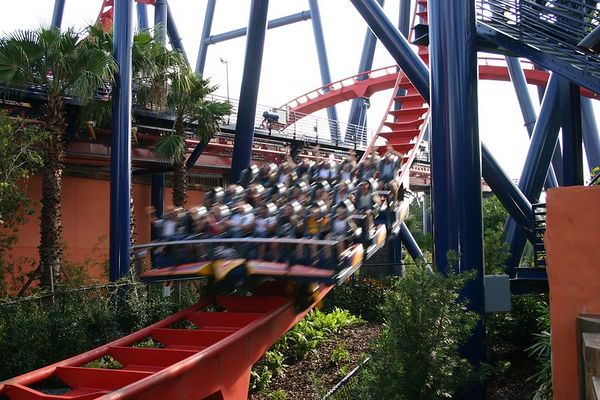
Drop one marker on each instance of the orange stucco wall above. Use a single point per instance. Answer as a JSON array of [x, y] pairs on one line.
[[572, 243], [85, 220]]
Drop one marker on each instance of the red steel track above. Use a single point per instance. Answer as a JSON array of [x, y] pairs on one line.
[[211, 362]]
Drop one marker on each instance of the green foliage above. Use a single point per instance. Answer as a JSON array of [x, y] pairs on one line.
[[19, 159], [300, 342], [595, 171], [39, 332], [417, 356], [495, 246], [415, 225], [362, 296], [541, 350], [339, 355]]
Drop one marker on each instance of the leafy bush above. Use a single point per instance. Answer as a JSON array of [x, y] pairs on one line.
[[417, 356], [362, 296], [39, 332], [300, 342], [541, 350]]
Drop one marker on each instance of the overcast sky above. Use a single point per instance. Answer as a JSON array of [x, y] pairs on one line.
[[290, 65]]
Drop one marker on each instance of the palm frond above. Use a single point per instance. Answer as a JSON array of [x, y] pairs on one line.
[[171, 148]]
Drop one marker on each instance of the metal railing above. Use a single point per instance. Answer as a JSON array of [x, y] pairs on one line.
[[554, 27], [539, 251], [309, 128]]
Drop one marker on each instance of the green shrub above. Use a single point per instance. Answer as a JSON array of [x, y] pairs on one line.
[[417, 356], [339, 355], [41, 331], [541, 350], [361, 296]]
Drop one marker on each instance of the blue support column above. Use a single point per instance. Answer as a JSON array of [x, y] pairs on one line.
[[357, 118], [427, 228], [160, 20], [57, 14], [120, 169], [323, 64], [158, 194], [541, 149], [396, 44], [591, 140], [206, 28], [395, 256], [509, 195], [244, 131], [142, 17], [410, 243], [174, 37], [570, 109], [517, 76], [272, 24], [453, 46]]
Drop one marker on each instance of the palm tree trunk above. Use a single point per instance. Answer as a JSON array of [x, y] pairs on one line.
[[179, 184], [180, 170], [53, 151]]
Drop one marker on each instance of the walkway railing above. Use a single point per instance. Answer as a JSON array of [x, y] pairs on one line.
[[554, 27]]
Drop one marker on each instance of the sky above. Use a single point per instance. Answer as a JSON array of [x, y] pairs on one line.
[[290, 64]]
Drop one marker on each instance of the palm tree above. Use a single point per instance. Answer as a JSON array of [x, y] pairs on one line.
[[61, 64], [188, 101]]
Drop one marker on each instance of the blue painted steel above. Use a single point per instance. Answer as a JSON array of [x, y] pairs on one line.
[[395, 256], [158, 194], [545, 59], [173, 33], [541, 148], [160, 20], [410, 243], [323, 64], [275, 23], [507, 192], [120, 155], [57, 14], [591, 139], [517, 76], [198, 150], [427, 228], [206, 28], [404, 28], [244, 131], [142, 17], [396, 44], [356, 117], [453, 58], [572, 136]]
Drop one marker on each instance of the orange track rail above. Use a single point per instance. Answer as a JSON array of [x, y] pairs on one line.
[[211, 362]]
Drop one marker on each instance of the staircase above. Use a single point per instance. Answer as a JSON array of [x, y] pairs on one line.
[[547, 33], [407, 111], [588, 330]]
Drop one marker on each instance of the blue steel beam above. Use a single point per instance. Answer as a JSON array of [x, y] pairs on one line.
[[427, 230], [517, 76], [57, 14], [275, 23], [591, 140], [453, 60], [323, 64], [158, 194], [410, 243], [404, 28], [395, 256], [541, 148], [507, 192], [120, 154], [572, 136], [396, 44], [160, 20], [206, 28], [356, 117], [142, 17], [174, 37], [244, 131]]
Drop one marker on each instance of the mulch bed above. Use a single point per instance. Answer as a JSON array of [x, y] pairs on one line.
[[313, 377]]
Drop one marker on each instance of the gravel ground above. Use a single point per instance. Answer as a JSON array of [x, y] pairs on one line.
[[311, 378]]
